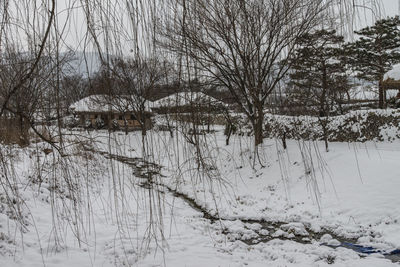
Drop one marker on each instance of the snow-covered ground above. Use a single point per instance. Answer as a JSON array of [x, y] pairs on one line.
[[352, 192]]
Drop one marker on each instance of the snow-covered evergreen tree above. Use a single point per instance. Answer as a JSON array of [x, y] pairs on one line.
[[318, 75], [375, 52]]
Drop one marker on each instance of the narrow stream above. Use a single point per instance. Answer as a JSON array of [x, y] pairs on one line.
[[268, 231]]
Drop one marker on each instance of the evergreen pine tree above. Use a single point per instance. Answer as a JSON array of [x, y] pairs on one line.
[[375, 52], [318, 75]]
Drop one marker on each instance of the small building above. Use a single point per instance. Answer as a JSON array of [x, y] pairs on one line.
[[112, 112]]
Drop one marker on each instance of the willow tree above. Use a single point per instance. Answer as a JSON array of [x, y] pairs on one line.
[[242, 45]]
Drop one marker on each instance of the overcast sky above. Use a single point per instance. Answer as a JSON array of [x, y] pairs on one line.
[[366, 18], [77, 21], [391, 7]]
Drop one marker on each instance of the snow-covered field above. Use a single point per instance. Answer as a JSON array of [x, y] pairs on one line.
[[351, 192]]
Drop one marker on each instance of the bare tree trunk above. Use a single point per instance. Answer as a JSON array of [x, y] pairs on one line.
[[324, 108], [258, 125], [284, 140], [258, 130], [323, 121], [326, 138], [228, 133], [381, 94], [144, 130]]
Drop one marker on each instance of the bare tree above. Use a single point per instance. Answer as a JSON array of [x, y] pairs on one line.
[[239, 44]]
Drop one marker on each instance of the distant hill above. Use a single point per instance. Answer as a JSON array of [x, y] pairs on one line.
[[81, 63]]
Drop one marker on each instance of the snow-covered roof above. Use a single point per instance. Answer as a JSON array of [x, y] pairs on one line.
[[186, 98], [393, 74], [105, 103]]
